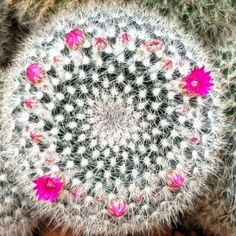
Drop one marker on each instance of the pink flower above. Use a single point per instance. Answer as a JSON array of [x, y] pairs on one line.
[[117, 208], [154, 45], [125, 38], [198, 82], [30, 103], [194, 139], [175, 180], [48, 188], [167, 64], [36, 137], [77, 191], [100, 43], [35, 73], [75, 38]]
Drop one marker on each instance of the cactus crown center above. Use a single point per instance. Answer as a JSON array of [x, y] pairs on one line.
[[112, 120]]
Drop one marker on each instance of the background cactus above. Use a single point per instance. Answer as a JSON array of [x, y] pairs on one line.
[[216, 212], [114, 118], [11, 33], [4, 32], [212, 19]]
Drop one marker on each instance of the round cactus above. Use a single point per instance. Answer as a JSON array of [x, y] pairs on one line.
[[116, 118], [216, 211]]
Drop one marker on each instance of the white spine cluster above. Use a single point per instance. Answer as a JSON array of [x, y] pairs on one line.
[[110, 118], [14, 220], [216, 211]]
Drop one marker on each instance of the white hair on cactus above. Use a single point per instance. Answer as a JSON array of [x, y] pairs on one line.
[[14, 219], [117, 158], [215, 211]]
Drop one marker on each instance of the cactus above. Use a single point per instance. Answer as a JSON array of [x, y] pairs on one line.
[[11, 33], [213, 20], [37, 10], [4, 32], [116, 119], [216, 212], [13, 218]]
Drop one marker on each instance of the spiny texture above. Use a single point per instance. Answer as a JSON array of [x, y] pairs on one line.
[[11, 32], [109, 138], [13, 220], [213, 20], [216, 212], [36, 10], [4, 32]]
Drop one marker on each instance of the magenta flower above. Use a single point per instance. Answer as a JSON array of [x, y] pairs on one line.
[[154, 45], [125, 38], [75, 38], [48, 188], [100, 43], [30, 103], [198, 82], [35, 73], [175, 180], [117, 208], [36, 137]]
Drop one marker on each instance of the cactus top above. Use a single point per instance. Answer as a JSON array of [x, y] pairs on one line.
[[113, 116]]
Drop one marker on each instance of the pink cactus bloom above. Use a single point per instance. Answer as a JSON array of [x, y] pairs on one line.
[[100, 43], [125, 38], [48, 188], [77, 192], [198, 82], [75, 38], [194, 139], [35, 73], [117, 208], [154, 45], [36, 137], [175, 180], [167, 64], [30, 103]]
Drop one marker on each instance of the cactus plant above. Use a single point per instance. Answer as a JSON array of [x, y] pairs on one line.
[[216, 212], [34, 10], [212, 19], [116, 118], [11, 32], [4, 32], [13, 218]]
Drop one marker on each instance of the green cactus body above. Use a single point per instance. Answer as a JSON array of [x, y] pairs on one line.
[[109, 138]]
